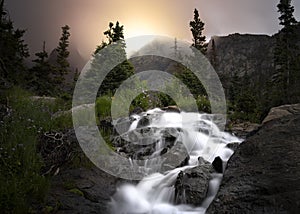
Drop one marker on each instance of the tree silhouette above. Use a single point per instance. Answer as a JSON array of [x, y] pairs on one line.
[[63, 66], [39, 78], [13, 51], [197, 27], [115, 38], [285, 61]]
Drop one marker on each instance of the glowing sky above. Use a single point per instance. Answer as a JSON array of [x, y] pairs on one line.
[[89, 18]]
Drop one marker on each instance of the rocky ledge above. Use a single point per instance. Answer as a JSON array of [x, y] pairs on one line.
[[263, 175]]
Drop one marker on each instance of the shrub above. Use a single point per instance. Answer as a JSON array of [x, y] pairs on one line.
[[103, 106]]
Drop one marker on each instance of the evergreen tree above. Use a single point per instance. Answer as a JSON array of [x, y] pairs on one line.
[[115, 38], [284, 55], [63, 66], [13, 51], [197, 27], [185, 75], [192, 82], [40, 74], [286, 11]]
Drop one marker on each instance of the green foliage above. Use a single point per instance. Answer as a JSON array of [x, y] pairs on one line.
[[203, 104], [143, 101], [114, 78], [62, 121], [285, 78], [191, 81], [76, 191], [20, 181], [63, 66], [39, 78], [116, 51], [103, 106], [13, 51], [243, 102], [165, 100], [197, 27]]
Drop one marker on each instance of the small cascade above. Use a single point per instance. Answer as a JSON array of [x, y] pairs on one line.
[[155, 193]]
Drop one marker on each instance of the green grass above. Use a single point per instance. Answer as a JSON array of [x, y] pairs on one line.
[[21, 183]]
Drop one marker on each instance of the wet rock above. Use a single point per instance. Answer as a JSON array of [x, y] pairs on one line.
[[263, 174], [141, 143], [243, 129], [175, 157], [233, 146], [121, 126], [218, 164], [191, 186], [144, 121], [137, 110]]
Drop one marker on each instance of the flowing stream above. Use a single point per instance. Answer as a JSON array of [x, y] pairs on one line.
[[155, 193]]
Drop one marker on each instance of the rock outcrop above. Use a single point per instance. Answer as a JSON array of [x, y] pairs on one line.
[[263, 175], [81, 190]]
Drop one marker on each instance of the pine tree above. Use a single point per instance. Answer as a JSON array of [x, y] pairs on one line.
[[63, 66], [115, 38], [286, 11], [39, 79], [13, 50], [284, 55], [197, 27]]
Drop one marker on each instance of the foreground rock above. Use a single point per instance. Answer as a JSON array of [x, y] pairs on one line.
[[191, 186], [76, 185], [243, 129], [81, 190], [263, 176]]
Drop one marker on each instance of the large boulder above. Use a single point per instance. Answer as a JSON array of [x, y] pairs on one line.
[[81, 190], [281, 111], [263, 175]]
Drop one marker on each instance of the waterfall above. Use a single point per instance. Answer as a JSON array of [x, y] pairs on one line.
[[155, 193]]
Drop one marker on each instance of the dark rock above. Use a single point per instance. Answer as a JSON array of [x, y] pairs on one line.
[[218, 164], [137, 110], [176, 156], [281, 111], [191, 186], [243, 129], [141, 143], [263, 174], [233, 146], [93, 191], [121, 126], [144, 121], [106, 125], [234, 52]]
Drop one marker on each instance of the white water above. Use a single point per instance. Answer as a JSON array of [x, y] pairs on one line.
[[155, 193]]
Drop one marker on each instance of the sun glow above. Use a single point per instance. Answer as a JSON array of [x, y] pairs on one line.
[[139, 30]]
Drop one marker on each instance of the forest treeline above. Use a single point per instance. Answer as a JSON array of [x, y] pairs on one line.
[[45, 78]]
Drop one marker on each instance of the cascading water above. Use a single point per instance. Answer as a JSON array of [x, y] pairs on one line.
[[155, 193]]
